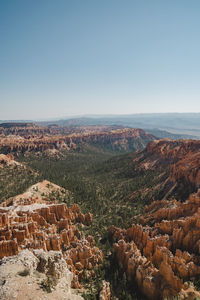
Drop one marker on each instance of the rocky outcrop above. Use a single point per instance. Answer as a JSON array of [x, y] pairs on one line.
[[31, 274], [41, 192], [37, 223], [163, 253], [105, 293], [8, 160]]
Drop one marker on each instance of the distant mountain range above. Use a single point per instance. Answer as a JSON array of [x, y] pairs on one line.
[[176, 123], [186, 125]]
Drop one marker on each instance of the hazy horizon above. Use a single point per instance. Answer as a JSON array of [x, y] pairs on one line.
[[100, 116], [67, 58]]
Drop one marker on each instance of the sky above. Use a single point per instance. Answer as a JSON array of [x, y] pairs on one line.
[[76, 57]]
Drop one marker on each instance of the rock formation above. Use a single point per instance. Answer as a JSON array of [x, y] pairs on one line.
[[179, 159], [163, 253], [8, 160], [29, 221], [105, 293], [37, 193]]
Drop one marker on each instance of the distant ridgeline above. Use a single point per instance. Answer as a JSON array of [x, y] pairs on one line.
[[16, 124]]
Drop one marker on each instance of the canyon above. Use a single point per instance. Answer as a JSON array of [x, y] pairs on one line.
[[160, 251], [155, 245]]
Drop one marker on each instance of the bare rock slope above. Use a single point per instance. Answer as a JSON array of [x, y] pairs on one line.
[[23, 275]]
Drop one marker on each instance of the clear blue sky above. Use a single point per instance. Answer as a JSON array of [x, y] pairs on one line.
[[68, 57]]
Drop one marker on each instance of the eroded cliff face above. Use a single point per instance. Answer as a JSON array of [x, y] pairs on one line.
[[179, 159], [116, 140], [187, 169], [169, 151], [31, 221], [162, 252]]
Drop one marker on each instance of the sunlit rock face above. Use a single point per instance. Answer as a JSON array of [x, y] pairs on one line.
[[162, 252], [30, 221]]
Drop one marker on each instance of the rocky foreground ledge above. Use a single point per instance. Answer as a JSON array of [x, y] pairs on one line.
[[33, 274]]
